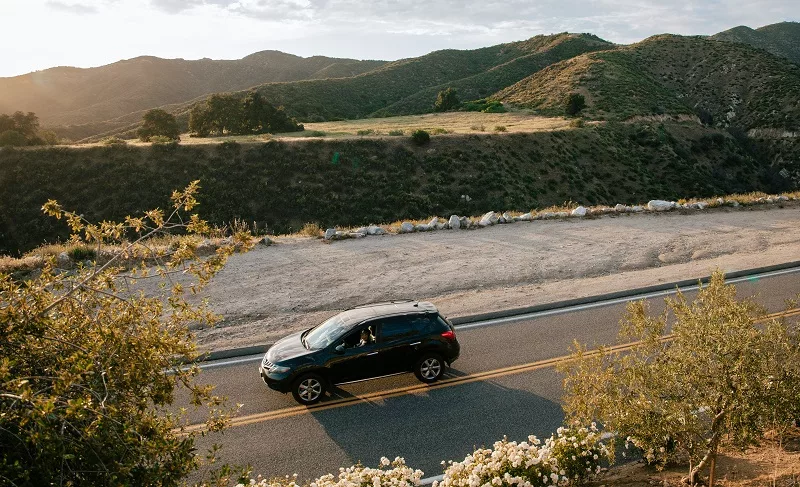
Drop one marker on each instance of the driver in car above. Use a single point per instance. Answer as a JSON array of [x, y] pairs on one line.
[[366, 338]]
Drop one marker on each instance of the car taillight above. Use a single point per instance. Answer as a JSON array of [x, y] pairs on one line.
[[449, 335]]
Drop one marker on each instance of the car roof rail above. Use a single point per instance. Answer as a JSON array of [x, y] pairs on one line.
[[379, 303]]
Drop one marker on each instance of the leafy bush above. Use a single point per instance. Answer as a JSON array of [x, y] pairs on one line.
[[114, 140], [500, 128], [566, 458], [396, 133], [311, 230], [446, 100], [577, 123], [366, 132], [74, 413], [478, 128], [315, 133], [420, 137], [440, 131], [574, 103], [12, 138], [81, 253], [162, 139], [484, 105], [723, 378]]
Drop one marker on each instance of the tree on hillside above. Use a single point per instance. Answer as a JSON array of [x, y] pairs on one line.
[[718, 377], [446, 100], [574, 103], [88, 365], [157, 122], [19, 129], [227, 114]]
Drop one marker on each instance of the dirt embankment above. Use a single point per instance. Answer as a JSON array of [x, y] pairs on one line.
[[299, 282]]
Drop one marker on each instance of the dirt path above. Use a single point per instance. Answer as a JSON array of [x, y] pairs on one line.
[[299, 282]]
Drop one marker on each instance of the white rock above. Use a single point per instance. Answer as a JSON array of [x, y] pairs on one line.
[[783, 198], [356, 235], [546, 215], [488, 219], [525, 217], [508, 218], [465, 222], [620, 208], [660, 205], [637, 209], [340, 234], [266, 242], [441, 226], [735, 204], [768, 200], [375, 230], [434, 221], [579, 211], [406, 227], [701, 205], [330, 233], [562, 214], [422, 227], [720, 201], [363, 230], [454, 222]]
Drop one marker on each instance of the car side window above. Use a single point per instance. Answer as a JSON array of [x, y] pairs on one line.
[[396, 328], [361, 336], [423, 324]]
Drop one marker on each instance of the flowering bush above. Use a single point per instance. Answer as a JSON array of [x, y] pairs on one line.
[[388, 474], [578, 452], [570, 457]]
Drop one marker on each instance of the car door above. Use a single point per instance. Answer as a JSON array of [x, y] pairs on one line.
[[356, 361], [399, 339]]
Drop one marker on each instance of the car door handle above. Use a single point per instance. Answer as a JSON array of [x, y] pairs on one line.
[[373, 353], [415, 344]]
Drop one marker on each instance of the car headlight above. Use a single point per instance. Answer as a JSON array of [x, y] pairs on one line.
[[278, 369]]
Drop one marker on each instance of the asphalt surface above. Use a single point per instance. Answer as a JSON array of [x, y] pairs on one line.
[[427, 425]]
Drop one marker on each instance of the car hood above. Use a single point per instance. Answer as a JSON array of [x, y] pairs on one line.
[[287, 348]]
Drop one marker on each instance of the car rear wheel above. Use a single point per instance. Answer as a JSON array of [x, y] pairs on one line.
[[308, 389], [429, 368]]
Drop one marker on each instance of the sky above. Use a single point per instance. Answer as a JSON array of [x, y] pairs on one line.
[[40, 34]]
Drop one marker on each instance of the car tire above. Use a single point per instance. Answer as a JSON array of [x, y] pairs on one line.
[[308, 389], [429, 368]]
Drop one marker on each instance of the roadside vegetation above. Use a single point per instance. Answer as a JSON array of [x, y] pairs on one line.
[[282, 185], [88, 368], [22, 129]]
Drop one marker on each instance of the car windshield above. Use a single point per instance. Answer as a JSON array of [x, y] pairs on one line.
[[324, 334]]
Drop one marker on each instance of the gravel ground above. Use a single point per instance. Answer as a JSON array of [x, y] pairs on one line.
[[271, 291]]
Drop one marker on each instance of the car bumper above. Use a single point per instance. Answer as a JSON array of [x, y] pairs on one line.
[[278, 383]]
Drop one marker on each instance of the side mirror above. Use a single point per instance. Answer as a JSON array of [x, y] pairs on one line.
[[339, 348]]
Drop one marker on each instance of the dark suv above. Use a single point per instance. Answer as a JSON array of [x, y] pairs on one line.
[[365, 342]]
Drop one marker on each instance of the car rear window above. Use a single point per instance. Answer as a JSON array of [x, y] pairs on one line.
[[429, 323]]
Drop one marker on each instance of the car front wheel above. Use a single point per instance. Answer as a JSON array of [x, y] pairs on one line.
[[429, 368], [308, 389]]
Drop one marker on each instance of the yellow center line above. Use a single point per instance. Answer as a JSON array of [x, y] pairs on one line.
[[449, 382]]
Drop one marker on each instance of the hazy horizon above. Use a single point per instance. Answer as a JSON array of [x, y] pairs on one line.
[[91, 33]]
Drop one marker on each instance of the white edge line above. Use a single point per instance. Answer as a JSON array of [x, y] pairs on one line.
[[540, 314]]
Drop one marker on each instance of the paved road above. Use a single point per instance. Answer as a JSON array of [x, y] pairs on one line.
[[426, 425]]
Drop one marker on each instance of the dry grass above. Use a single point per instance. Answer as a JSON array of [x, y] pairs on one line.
[[774, 463]]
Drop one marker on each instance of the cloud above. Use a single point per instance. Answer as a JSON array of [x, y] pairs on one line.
[[73, 8]]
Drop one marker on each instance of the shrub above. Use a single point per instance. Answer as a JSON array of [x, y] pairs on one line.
[[81, 253], [723, 378], [315, 133], [500, 128], [577, 123], [67, 391], [366, 132], [420, 137], [440, 131], [158, 123], [396, 133], [478, 128], [446, 100], [12, 138], [113, 140], [574, 103], [162, 139]]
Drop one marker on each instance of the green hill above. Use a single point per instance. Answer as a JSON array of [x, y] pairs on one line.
[[727, 84], [782, 39], [71, 96]]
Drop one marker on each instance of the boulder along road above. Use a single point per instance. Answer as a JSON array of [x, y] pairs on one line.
[[504, 384]]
